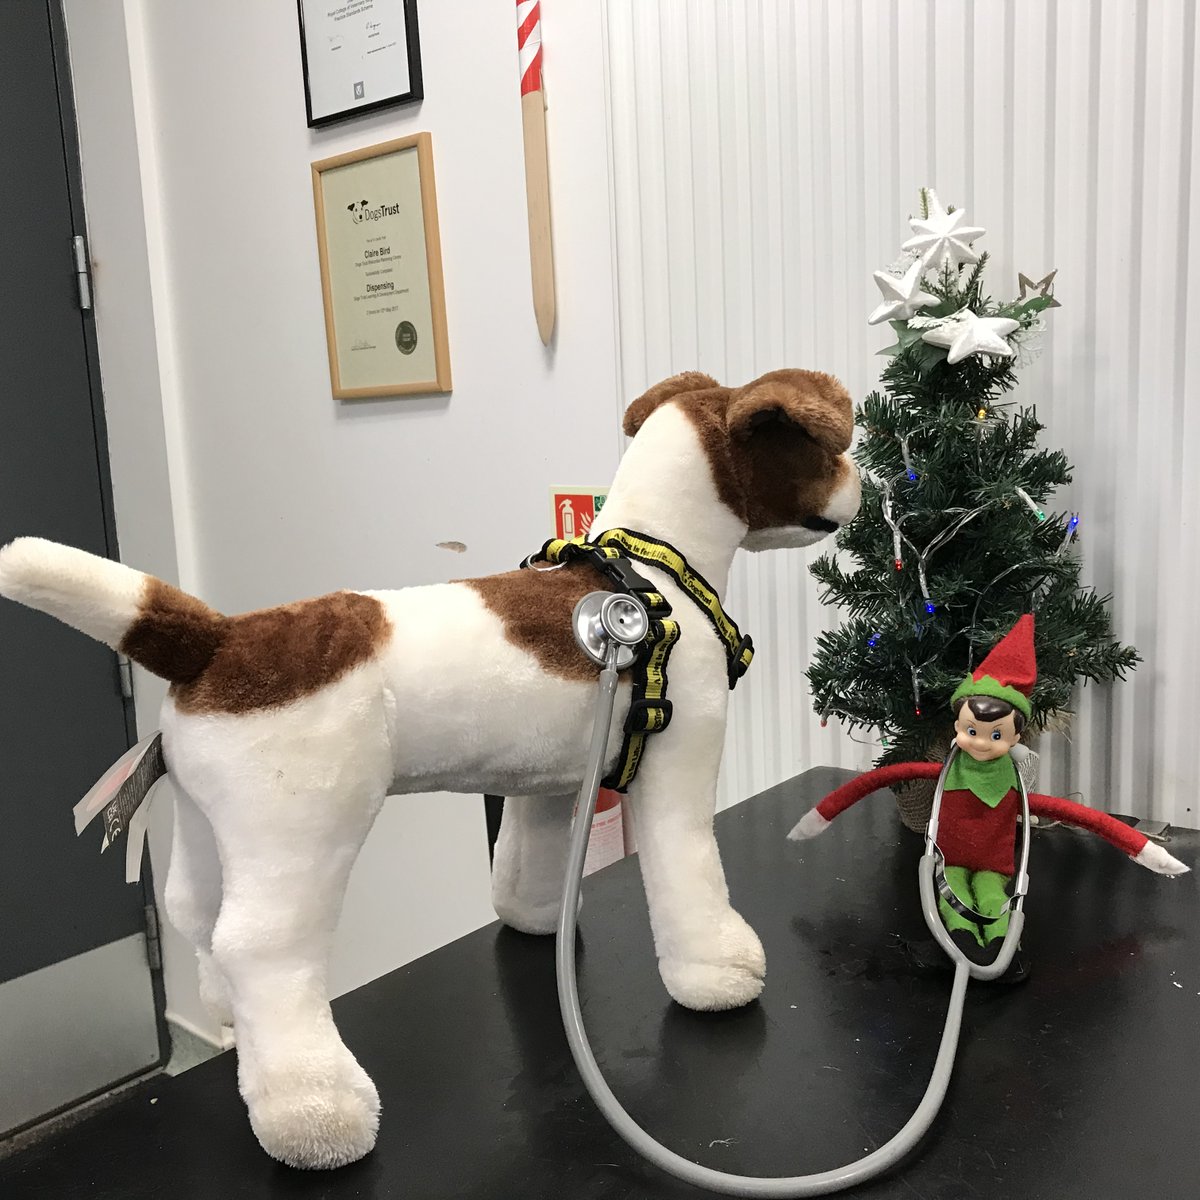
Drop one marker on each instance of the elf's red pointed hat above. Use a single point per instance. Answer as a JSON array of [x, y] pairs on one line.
[[1009, 671]]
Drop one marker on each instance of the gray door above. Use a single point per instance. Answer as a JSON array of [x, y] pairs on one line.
[[79, 1003]]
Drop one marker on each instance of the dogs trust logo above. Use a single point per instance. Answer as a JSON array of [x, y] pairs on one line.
[[361, 210]]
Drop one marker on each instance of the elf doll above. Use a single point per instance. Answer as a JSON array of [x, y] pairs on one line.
[[981, 803]]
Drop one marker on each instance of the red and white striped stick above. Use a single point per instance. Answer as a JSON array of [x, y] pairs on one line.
[[529, 43], [537, 171]]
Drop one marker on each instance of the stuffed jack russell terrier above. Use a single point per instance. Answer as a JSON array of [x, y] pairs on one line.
[[285, 729]]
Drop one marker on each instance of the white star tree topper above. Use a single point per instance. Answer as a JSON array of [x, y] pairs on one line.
[[902, 295], [967, 333], [942, 240]]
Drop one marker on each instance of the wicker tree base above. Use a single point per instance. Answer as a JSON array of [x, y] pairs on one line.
[[914, 803]]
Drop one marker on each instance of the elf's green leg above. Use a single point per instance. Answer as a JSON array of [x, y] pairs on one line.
[[991, 894], [959, 878]]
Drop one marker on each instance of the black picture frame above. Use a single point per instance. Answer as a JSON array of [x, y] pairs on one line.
[[416, 89]]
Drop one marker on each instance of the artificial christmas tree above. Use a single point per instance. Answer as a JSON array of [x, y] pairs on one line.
[[954, 539]]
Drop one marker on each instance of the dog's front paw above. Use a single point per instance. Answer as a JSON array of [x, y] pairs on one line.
[[526, 917], [317, 1126], [729, 974], [525, 914]]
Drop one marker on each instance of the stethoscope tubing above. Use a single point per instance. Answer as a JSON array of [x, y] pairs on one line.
[[822, 1183]]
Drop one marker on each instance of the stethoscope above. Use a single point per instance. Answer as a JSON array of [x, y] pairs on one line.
[[607, 627]]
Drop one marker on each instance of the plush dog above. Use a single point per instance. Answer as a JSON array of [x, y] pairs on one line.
[[285, 729]]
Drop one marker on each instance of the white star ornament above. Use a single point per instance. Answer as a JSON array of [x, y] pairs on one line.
[[967, 334], [902, 295], [942, 240]]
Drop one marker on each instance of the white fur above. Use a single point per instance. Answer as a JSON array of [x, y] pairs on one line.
[[273, 806], [95, 595], [811, 825], [1157, 859]]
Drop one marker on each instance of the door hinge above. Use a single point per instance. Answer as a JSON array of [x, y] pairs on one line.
[[83, 274], [125, 676], [153, 947]]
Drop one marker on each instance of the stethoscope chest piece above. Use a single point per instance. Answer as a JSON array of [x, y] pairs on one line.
[[602, 618]]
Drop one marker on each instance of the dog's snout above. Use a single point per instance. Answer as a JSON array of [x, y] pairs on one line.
[[820, 524]]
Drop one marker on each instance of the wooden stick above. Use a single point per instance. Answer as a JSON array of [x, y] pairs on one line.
[[537, 169], [537, 189]]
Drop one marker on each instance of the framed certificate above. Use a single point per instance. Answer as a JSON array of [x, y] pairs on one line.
[[381, 270], [358, 56]]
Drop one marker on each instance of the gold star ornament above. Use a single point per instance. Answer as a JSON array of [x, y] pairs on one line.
[[1042, 287]]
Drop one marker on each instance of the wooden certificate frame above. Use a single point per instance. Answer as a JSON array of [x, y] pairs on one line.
[[381, 270]]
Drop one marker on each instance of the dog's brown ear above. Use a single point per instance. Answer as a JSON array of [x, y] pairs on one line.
[[816, 402], [660, 393]]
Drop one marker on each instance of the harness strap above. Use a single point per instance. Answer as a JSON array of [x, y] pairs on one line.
[[649, 708], [739, 650]]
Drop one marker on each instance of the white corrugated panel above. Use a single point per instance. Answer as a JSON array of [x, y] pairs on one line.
[[765, 158]]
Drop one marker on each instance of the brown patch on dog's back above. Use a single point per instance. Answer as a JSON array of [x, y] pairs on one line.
[[174, 634], [278, 655], [536, 608]]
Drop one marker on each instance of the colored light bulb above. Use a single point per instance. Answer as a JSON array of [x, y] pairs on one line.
[[1029, 500]]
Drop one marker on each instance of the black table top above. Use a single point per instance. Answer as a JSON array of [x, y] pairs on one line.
[[1083, 1082]]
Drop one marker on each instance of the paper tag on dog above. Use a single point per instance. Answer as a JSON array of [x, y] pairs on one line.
[[120, 798]]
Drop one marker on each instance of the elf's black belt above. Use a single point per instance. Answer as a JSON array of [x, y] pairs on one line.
[[649, 709]]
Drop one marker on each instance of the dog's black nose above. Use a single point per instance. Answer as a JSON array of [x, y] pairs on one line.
[[820, 524]]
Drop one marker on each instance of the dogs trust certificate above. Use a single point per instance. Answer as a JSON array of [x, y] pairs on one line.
[[378, 271]]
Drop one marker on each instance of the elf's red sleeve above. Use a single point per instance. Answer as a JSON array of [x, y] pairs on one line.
[[817, 820], [1052, 808], [1139, 847]]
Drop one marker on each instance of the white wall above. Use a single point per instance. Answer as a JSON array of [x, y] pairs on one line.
[[765, 157], [280, 491]]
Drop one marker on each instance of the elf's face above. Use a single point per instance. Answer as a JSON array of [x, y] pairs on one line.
[[985, 740]]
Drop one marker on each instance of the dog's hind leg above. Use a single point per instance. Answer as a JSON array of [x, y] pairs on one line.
[[530, 858], [286, 858], [193, 897]]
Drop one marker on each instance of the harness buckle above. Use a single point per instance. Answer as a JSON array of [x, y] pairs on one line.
[[620, 571], [739, 663], [648, 716]]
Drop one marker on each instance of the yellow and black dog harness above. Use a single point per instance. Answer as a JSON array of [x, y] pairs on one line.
[[649, 708]]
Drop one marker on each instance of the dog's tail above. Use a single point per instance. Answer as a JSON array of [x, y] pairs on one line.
[[166, 630]]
